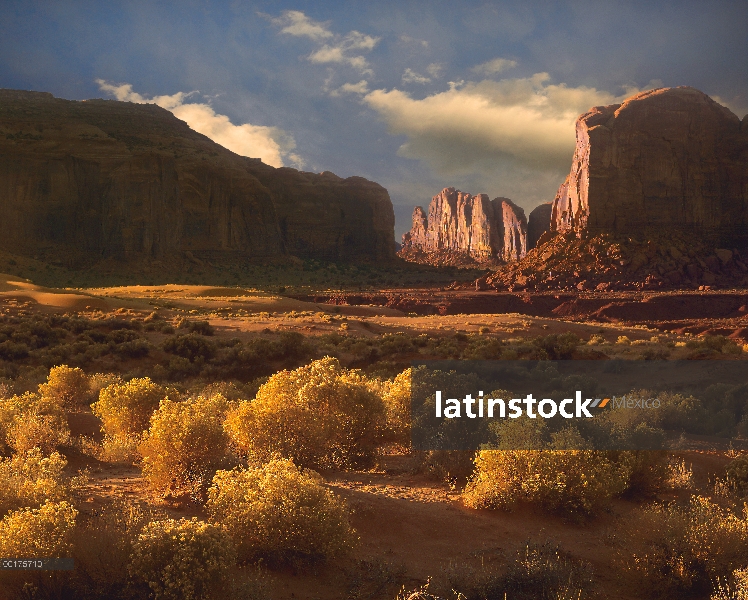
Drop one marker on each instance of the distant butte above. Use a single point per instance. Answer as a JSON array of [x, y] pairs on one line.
[[86, 181], [464, 229]]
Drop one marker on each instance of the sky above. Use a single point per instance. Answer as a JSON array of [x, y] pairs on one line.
[[417, 96]]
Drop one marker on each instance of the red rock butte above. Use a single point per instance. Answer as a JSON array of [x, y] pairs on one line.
[[463, 225], [670, 158]]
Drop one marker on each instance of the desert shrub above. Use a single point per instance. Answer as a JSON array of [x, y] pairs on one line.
[[119, 449], [535, 572], [38, 532], [102, 546], [126, 408], [30, 421], [185, 445], [734, 588], [280, 513], [680, 550], [451, 466], [570, 481], [70, 388], [29, 479], [191, 346], [557, 346], [396, 398], [321, 415], [737, 475], [182, 560]]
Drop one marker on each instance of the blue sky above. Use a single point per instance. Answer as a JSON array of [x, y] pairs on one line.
[[417, 96]]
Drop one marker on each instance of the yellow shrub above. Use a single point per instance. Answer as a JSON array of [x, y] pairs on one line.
[[126, 408], [320, 415], [38, 532], [186, 445], [30, 421], [397, 401], [70, 388], [31, 478], [182, 560], [280, 512], [677, 550], [574, 481]]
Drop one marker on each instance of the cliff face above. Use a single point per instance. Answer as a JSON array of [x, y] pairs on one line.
[[103, 178], [538, 223], [669, 158], [468, 226]]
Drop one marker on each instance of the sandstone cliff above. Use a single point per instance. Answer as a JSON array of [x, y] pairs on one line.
[[668, 158], [461, 227], [538, 223], [102, 178]]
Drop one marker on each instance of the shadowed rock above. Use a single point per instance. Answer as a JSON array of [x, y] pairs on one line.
[[538, 223], [101, 178]]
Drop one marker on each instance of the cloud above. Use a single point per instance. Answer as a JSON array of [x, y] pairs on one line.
[[410, 76], [410, 40], [345, 49], [526, 122], [362, 87], [270, 144], [492, 67], [435, 69], [341, 49], [296, 23]]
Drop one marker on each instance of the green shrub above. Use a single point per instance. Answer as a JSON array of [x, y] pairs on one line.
[[280, 513], [570, 481], [185, 445], [673, 551], [321, 415], [70, 388], [182, 560]]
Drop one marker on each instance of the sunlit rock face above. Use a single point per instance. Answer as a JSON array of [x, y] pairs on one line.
[[457, 223], [670, 157], [102, 178]]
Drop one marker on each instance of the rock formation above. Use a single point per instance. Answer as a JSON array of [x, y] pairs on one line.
[[463, 226], [538, 223], [102, 178], [669, 158]]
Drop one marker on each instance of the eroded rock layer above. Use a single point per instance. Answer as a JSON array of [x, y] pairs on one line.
[[462, 227], [102, 178], [669, 158]]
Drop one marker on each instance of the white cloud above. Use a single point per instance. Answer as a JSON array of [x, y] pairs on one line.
[[435, 69], [296, 23], [410, 76], [362, 87], [410, 40], [345, 49], [527, 121], [492, 67], [270, 144]]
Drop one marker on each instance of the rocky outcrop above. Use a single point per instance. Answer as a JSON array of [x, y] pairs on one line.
[[466, 227], [538, 223], [669, 158], [100, 178]]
